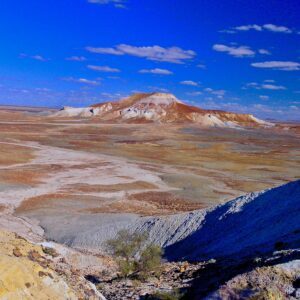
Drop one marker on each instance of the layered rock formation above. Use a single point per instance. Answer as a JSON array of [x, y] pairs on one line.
[[160, 107]]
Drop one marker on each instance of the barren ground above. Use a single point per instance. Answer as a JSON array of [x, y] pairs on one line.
[[83, 168]]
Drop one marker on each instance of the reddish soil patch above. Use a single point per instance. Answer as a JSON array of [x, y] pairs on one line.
[[31, 175], [40, 201], [14, 154], [59, 202], [125, 206], [167, 201], [2, 207]]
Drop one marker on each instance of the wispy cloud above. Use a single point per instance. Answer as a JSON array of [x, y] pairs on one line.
[[264, 97], [276, 28], [76, 58], [255, 27], [157, 53], [197, 93], [240, 51], [82, 80], [219, 93], [156, 71], [278, 65], [101, 50], [103, 69], [272, 87], [189, 82], [158, 89], [116, 3], [264, 86], [248, 27], [264, 52], [36, 57], [258, 109]]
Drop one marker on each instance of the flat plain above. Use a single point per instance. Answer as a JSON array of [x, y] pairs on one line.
[[83, 166]]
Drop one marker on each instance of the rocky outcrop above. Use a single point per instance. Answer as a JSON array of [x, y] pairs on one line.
[[29, 271], [163, 108], [281, 281]]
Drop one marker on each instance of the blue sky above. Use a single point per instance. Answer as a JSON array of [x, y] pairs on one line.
[[241, 55]]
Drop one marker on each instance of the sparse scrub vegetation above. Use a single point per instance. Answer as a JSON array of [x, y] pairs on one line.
[[133, 258]]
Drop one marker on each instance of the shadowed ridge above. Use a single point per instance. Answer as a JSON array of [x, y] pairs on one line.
[[247, 226]]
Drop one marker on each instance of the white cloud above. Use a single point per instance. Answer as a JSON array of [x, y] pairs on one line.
[[36, 57], [240, 51], [156, 71], [248, 27], [260, 110], [189, 82], [265, 86], [116, 3], [262, 107], [278, 65], [272, 87], [194, 93], [103, 69], [158, 89], [276, 28], [269, 80], [82, 80], [264, 97], [252, 84], [264, 52], [100, 50], [76, 58], [39, 57], [219, 93], [230, 31], [265, 27], [157, 53]]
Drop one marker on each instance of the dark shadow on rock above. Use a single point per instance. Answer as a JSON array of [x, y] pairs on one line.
[[244, 228], [237, 233], [210, 278]]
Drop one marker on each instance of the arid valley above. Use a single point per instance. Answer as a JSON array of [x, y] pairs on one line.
[[75, 182], [149, 150]]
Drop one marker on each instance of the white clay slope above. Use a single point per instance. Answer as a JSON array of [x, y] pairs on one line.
[[245, 226]]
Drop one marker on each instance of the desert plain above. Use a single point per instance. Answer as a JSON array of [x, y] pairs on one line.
[[71, 174]]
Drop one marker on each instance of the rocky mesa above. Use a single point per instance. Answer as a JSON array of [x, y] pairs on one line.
[[162, 108]]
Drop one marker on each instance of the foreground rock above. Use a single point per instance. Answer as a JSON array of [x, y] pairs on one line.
[[30, 271], [248, 247], [281, 281], [275, 276]]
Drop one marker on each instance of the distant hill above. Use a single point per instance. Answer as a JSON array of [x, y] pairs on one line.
[[162, 108]]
